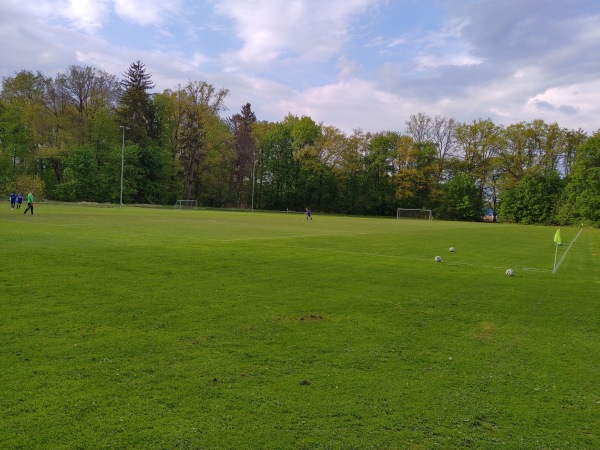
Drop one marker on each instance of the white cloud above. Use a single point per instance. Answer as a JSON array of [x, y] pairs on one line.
[[376, 42], [396, 42], [518, 98], [482, 61], [425, 62], [91, 15], [99, 57], [569, 105], [446, 47], [147, 12], [185, 66], [87, 15], [42, 9], [351, 104], [310, 30], [347, 67]]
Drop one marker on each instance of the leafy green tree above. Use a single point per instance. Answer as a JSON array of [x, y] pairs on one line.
[[442, 136], [15, 138], [380, 171], [535, 199], [25, 87], [582, 193], [200, 103], [105, 134], [169, 116], [317, 184], [346, 153], [528, 148], [304, 131], [515, 154], [290, 173], [244, 147], [89, 91], [314, 185], [417, 173], [478, 144], [260, 134], [573, 139], [56, 117], [460, 200], [419, 127], [81, 180], [212, 186], [279, 169], [195, 139], [24, 120], [31, 183], [551, 143], [150, 169], [439, 131]]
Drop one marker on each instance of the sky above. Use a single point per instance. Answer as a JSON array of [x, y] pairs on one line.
[[353, 64]]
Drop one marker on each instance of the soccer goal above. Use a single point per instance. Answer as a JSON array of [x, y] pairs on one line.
[[186, 204], [405, 213]]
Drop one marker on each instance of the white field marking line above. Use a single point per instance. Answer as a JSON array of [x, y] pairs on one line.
[[380, 255], [535, 269], [566, 251]]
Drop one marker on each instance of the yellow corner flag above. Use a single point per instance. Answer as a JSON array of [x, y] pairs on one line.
[[557, 239]]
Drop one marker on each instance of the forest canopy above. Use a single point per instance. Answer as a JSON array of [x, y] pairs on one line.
[[68, 137]]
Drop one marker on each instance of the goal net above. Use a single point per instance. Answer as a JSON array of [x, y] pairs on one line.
[[186, 204], [404, 213]]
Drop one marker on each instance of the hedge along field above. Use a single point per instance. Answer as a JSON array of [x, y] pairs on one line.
[[160, 328]]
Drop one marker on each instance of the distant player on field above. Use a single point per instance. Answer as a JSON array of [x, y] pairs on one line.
[[29, 203], [13, 200], [19, 200], [308, 216]]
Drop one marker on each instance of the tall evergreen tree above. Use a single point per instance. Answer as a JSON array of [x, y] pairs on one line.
[[136, 110]]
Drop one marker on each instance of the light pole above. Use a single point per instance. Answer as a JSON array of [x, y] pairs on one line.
[[122, 164], [253, 177]]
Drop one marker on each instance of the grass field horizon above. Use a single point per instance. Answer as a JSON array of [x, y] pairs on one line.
[[161, 328]]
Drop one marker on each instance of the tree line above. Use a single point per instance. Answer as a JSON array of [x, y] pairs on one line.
[[68, 137]]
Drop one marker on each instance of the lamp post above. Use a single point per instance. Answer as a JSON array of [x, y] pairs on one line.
[[253, 177], [122, 164]]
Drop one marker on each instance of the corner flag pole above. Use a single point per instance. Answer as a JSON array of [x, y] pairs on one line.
[[557, 243]]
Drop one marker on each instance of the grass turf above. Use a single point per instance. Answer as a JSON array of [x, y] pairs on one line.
[[155, 328]]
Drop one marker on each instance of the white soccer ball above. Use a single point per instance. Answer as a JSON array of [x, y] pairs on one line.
[[438, 259], [509, 272], [451, 249]]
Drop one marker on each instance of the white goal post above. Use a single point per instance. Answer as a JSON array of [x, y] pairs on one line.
[[406, 213], [186, 204]]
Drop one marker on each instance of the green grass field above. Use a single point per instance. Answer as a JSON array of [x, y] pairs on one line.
[[144, 328]]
